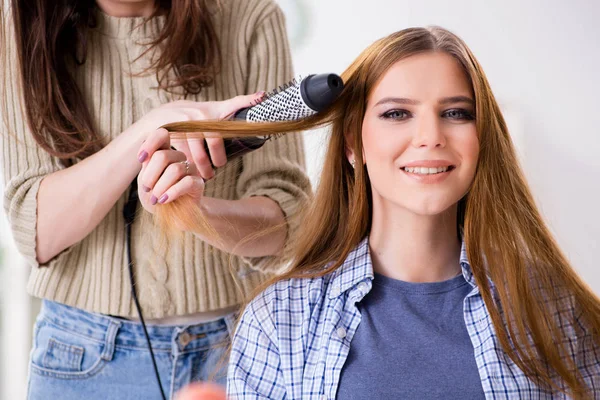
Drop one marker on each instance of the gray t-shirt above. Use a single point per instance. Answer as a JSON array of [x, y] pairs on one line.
[[412, 343]]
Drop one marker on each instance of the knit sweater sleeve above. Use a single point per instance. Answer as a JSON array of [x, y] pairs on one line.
[[24, 163], [277, 170]]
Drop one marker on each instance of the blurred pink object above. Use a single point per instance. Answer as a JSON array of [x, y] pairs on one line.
[[202, 391]]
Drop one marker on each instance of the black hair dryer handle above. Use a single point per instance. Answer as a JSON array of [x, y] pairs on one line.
[[238, 147]]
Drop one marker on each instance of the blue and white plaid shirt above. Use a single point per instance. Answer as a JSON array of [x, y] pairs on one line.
[[293, 339]]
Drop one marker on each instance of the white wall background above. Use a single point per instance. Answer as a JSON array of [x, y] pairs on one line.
[[15, 319], [542, 58]]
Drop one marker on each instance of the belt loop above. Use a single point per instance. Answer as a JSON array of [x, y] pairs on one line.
[[175, 345], [109, 343]]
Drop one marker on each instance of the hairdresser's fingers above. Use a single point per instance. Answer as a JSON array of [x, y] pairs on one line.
[[178, 179], [200, 158], [216, 148], [158, 139], [182, 145], [201, 391], [157, 165], [189, 185], [196, 153], [143, 191], [227, 108]]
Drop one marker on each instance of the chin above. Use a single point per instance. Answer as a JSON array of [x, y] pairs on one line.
[[429, 207], [418, 202], [429, 211]]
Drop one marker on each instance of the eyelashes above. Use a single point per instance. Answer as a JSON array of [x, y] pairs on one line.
[[454, 114], [459, 114], [396, 115]]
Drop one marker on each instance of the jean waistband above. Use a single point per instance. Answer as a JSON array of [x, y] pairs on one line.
[[130, 333]]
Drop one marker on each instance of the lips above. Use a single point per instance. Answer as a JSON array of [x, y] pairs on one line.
[[428, 171]]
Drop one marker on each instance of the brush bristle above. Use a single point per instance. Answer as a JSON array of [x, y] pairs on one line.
[[294, 82], [285, 103]]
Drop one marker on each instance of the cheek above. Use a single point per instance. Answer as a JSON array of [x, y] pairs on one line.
[[381, 144], [369, 140], [468, 147], [472, 148]]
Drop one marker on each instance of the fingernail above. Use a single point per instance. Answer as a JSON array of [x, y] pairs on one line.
[[153, 200], [146, 188], [142, 156], [261, 93], [163, 198]]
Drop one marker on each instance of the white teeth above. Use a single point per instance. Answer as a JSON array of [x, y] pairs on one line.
[[425, 170]]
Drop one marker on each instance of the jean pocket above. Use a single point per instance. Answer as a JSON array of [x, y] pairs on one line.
[[62, 357], [60, 353]]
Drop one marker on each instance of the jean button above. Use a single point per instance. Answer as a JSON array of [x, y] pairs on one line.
[[185, 339]]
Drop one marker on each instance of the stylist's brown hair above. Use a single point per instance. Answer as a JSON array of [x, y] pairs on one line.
[[51, 44]]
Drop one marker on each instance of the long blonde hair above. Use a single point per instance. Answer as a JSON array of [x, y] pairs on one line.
[[507, 240]]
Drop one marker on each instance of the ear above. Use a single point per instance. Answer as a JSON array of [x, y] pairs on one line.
[[349, 140], [350, 154]]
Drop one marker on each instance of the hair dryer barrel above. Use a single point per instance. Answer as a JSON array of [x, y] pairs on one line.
[[319, 91], [298, 100]]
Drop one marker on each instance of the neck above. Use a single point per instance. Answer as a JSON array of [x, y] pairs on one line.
[[414, 248], [116, 8]]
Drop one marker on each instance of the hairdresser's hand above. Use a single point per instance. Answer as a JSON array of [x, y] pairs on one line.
[[166, 174], [194, 147], [184, 111], [201, 391]]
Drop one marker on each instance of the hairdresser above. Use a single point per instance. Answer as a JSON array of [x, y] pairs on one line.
[[86, 85]]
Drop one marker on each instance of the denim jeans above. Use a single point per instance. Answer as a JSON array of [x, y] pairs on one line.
[[82, 355]]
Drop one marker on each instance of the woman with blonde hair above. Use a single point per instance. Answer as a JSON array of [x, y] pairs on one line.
[[423, 268]]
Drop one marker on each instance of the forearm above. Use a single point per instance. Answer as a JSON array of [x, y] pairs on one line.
[[73, 201], [249, 227]]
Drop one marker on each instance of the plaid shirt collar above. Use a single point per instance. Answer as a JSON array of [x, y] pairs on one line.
[[358, 267]]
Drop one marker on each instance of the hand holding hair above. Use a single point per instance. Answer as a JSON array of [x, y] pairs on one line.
[[173, 167]]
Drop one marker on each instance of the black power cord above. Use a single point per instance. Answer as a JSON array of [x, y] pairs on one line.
[[129, 211]]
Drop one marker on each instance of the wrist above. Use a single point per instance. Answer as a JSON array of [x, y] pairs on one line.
[[206, 205], [136, 134]]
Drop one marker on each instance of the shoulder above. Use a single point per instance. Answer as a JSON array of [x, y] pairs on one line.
[[11, 103], [290, 292], [250, 9], [246, 14], [289, 302], [7, 33], [286, 302]]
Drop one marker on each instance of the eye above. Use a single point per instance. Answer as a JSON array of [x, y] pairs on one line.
[[395, 115], [458, 114]]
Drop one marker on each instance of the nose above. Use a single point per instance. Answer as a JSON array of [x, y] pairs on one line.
[[428, 131]]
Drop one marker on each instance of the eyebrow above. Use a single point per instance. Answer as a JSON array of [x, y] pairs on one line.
[[446, 100]]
